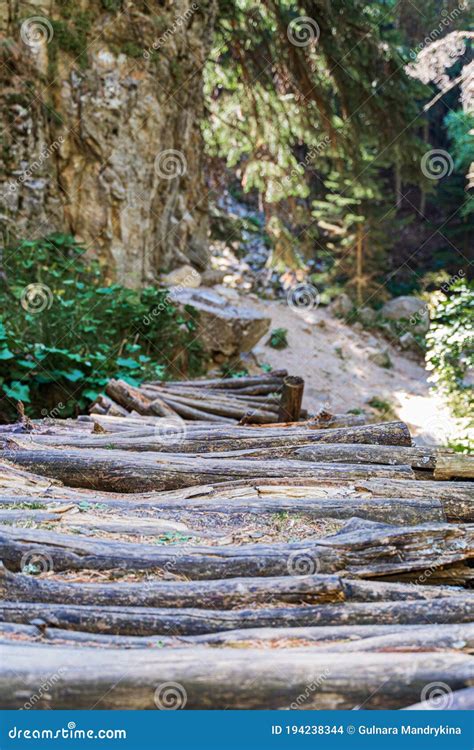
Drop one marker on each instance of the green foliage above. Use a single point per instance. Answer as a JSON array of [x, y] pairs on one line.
[[278, 338], [63, 332], [450, 340]]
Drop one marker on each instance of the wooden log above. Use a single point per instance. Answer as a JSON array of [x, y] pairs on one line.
[[438, 637], [191, 621], [457, 497], [336, 638], [127, 396], [416, 457], [227, 383], [221, 594], [217, 439], [122, 471], [190, 412], [291, 398], [361, 550], [454, 466], [398, 511], [299, 678]]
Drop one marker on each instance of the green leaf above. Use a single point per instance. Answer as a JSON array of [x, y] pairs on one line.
[[18, 391]]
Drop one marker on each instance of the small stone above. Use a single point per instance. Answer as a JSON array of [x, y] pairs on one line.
[[341, 305], [185, 276], [358, 326], [381, 358], [367, 316], [407, 341]]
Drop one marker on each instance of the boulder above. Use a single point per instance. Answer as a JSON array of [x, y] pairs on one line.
[[224, 327], [408, 341], [411, 309], [185, 276]]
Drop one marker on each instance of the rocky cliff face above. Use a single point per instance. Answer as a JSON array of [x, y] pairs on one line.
[[99, 110]]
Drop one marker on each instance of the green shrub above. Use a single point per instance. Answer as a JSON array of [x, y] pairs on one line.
[[278, 338], [450, 341], [63, 332]]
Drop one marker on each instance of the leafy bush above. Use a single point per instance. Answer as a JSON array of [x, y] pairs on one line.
[[450, 342], [63, 333], [278, 338]]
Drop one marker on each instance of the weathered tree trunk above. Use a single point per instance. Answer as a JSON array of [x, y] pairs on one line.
[[433, 552], [122, 471], [298, 678], [221, 594]]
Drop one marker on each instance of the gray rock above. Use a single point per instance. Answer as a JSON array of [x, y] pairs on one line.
[[341, 305], [225, 328], [408, 341], [411, 309], [185, 276], [212, 276], [367, 316], [381, 358]]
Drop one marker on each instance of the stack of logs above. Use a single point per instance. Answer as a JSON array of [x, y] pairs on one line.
[[248, 400], [337, 559]]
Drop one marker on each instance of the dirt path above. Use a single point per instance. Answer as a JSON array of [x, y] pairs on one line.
[[334, 360]]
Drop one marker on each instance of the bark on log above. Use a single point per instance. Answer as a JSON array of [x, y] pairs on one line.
[[291, 398], [110, 679], [416, 457], [191, 621], [397, 511], [431, 552], [122, 471], [337, 638], [220, 594], [454, 466]]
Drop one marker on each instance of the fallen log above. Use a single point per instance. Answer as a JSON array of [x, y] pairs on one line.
[[144, 435], [122, 471], [416, 457], [298, 678], [433, 552], [191, 621], [397, 511], [438, 637], [220, 594], [329, 639], [454, 466]]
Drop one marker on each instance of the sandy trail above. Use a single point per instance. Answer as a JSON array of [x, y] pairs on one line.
[[333, 358]]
